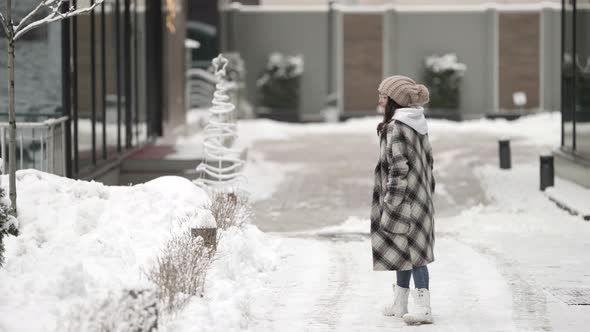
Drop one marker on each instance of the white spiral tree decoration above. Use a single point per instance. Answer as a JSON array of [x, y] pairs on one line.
[[222, 165]]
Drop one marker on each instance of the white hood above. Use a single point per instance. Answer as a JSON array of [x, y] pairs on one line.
[[413, 117]]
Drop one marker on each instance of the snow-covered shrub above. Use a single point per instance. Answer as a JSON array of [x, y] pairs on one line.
[[128, 310], [442, 76], [278, 86], [8, 223], [180, 270], [230, 209]]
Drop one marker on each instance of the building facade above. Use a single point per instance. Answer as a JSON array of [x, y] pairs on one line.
[[116, 75], [573, 158], [347, 50]]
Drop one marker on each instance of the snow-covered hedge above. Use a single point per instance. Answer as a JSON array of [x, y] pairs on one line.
[[278, 86], [83, 245], [80, 239], [442, 76]]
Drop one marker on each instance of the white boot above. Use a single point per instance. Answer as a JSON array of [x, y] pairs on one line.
[[422, 313], [400, 302]]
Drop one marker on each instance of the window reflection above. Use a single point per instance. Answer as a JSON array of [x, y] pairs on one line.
[[568, 76], [38, 85], [582, 67]]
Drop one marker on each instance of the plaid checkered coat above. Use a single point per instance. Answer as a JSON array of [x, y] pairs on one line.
[[402, 214]]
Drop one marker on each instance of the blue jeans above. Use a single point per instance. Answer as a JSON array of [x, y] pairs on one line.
[[420, 277]]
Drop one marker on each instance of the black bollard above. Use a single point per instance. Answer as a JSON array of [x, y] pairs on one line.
[[546, 172], [505, 154]]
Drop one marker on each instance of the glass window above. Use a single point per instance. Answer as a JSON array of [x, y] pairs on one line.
[[86, 93], [139, 73], [122, 66], [113, 85], [568, 75], [582, 68], [98, 84], [38, 83]]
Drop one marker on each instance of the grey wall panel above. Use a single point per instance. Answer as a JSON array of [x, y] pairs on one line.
[[551, 55], [417, 35], [408, 37], [259, 33]]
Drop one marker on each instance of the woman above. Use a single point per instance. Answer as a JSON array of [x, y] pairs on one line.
[[402, 223]]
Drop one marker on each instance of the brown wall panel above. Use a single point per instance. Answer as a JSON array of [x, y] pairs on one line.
[[362, 61], [519, 58]]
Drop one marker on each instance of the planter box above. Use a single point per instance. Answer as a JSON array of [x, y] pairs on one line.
[[278, 114], [510, 116], [443, 113]]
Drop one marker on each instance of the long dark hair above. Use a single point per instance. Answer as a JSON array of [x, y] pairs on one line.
[[390, 108]]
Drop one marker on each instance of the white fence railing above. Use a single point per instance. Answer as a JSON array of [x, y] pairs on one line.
[[39, 145]]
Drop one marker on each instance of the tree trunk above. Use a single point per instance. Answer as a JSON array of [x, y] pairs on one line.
[[11, 111]]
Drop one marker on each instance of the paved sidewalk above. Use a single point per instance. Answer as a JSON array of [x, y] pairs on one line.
[[503, 274], [337, 178]]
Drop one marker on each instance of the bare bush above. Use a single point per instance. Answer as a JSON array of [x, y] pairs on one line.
[[180, 270], [8, 223], [118, 311], [230, 209]]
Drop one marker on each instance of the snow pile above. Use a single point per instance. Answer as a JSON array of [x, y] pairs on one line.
[[572, 195], [80, 239], [240, 270], [83, 245], [539, 129], [516, 205], [129, 310]]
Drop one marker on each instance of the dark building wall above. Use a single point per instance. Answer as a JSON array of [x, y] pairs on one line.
[[203, 10]]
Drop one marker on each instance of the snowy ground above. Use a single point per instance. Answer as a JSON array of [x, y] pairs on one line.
[[505, 254], [507, 259], [82, 241]]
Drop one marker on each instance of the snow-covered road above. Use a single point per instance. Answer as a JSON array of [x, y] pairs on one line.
[[327, 284], [503, 251]]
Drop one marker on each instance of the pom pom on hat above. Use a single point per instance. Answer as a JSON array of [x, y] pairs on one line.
[[404, 91]]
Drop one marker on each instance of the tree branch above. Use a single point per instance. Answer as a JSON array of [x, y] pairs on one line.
[[53, 17], [29, 15], [4, 25]]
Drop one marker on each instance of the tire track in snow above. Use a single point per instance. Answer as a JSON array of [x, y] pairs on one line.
[[529, 301], [327, 310]]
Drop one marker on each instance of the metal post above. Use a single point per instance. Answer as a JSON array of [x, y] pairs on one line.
[[51, 149], [64, 147], [546, 172], [42, 157], [3, 142], [504, 149], [93, 83], [21, 149], [330, 43]]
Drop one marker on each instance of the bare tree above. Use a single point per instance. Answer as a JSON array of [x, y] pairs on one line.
[[57, 10]]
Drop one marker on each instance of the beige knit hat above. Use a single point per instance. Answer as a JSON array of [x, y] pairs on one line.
[[404, 91]]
